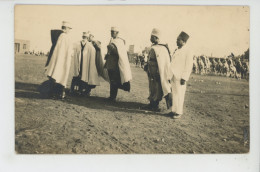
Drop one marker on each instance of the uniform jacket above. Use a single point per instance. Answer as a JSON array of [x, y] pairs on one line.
[[181, 64]]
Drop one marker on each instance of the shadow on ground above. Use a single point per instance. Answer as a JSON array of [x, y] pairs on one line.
[[28, 90]]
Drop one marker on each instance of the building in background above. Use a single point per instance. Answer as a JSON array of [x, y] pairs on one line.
[[21, 46], [131, 49]]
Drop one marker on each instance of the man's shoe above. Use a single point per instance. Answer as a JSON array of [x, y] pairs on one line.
[[171, 114], [111, 99], [177, 116], [156, 109], [147, 107]]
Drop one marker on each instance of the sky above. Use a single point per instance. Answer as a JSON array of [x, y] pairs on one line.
[[213, 30]]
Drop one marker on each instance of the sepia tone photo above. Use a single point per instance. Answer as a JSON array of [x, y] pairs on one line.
[[131, 79]]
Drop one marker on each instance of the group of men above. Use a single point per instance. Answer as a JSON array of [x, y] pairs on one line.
[[230, 67], [87, 64], [167, 73]]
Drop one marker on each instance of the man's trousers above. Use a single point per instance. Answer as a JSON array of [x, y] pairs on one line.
[[178, 94]]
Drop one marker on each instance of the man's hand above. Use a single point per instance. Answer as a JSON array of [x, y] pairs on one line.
[[182, 81]]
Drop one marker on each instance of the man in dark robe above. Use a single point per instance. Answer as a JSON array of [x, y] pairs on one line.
[[117, 64]]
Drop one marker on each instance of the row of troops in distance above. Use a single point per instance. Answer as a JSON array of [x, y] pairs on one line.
[[167, 74], [230, 67]]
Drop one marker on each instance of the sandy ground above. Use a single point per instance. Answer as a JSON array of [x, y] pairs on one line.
[[215, 120]]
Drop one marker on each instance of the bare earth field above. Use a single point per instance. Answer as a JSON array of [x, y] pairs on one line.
[[215, 120]]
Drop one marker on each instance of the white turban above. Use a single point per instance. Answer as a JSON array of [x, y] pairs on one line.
[[114, 29], [66, 24], [156, 32]]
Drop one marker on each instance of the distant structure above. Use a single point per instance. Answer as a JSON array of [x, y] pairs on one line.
[[21, 46], [131, 54], [131, 49]]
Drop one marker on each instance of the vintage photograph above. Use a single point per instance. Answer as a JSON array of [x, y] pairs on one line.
[[136, 79]]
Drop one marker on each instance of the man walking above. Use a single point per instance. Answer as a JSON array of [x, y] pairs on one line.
[[180, 70], [58, 65], [117, 64]]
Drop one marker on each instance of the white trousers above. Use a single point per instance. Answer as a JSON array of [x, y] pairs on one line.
[[178, 94]]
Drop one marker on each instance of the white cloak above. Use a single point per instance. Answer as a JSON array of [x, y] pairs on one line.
[[89, 69], [59, 66], [123, 62], [163, 60]]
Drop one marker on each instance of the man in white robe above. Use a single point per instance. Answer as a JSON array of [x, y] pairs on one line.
[[100, 62], [87, 69], [59, 65], [179, 73], [157, 69]]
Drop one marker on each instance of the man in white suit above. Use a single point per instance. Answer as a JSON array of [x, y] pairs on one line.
[[180, 70]]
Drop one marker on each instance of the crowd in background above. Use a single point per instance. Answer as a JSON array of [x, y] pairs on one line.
[[234, 67]]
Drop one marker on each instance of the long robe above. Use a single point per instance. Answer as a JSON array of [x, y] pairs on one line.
[[89, 69], [123, 62], [54, 38], [163, 61], [59, 65], [76, 60], [180, 68], [155, 86], [100, 62]]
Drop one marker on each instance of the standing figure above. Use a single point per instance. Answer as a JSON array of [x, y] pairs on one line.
[[117, 64], [88, 71], [213, 66], [181, 67], [201, 65], [59, 62], [137, 60], [195, 65], [76, 80], [225, 68], [158, 65], [99, 59]]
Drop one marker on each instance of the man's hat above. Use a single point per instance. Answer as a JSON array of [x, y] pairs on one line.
[[90, 33], [115, 29], [184, 36], [66, 24], [85, 34], [156, 32]]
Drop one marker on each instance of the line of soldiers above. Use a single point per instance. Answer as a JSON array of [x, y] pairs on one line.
[[230, 67], [167, 74]]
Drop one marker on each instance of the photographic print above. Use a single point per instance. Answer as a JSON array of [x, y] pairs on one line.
[[133, 79]]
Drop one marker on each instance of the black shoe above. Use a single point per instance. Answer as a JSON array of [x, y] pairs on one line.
[[156, 109], [111, 99], [176, 116], [171, 114], [147, 107], [62, 96]]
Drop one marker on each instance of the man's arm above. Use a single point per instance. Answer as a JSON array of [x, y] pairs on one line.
[[187, 69]]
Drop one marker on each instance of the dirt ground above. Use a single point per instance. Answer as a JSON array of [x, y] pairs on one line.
[[215, 120]]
